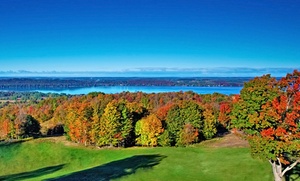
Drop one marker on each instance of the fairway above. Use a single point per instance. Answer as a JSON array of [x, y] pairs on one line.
[[43, 159]]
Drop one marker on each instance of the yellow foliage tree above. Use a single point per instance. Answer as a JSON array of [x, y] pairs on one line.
[[148, 130]]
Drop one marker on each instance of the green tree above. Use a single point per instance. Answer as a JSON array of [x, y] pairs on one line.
[[164, 139], [188, 112], [31, 126], [255, 93], [174, 124]]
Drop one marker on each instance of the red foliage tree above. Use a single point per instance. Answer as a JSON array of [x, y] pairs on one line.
[[224, 115]]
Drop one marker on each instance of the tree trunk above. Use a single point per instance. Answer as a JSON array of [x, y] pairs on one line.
[[277, 171]]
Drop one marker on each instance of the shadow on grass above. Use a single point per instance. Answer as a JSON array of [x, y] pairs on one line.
[[11, 142], [32, 174], [115, 169]]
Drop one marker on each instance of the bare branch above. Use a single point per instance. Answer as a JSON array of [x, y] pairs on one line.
[[290, 167], [270, 161]]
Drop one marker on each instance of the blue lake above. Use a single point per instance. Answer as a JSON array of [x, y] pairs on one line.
[[147, 89]]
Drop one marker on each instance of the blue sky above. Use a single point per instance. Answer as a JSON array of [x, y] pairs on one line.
[[137, 35]]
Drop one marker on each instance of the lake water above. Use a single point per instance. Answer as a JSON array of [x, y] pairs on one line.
[[148, 89]]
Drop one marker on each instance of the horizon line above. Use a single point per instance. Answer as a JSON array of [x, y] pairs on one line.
[[157, 72]]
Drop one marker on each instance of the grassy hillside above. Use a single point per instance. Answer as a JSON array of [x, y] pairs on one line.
[[44, 159]]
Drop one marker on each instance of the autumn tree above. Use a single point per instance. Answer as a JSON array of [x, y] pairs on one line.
[[7, 123], [16, 123], [187, 112], [115, 124], [84, 122], [137, 112], [187, 135], [72, 125], [45, 109], [162, 111], [19, 122], [210, 123], [148, 130], [269, 112], [224, 114]]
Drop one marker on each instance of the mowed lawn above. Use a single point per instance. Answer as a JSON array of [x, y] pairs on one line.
[[43, 159]]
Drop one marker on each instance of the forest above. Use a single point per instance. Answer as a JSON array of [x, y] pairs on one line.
[[123, 119]]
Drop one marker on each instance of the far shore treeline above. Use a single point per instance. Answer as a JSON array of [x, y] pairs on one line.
[[60, 83]]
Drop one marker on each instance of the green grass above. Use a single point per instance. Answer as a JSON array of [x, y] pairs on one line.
[[44, 160]]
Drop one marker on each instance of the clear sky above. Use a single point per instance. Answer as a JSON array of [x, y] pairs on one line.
[[123, 35]]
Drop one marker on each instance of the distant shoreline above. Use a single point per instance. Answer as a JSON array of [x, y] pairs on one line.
[[64, 83]]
